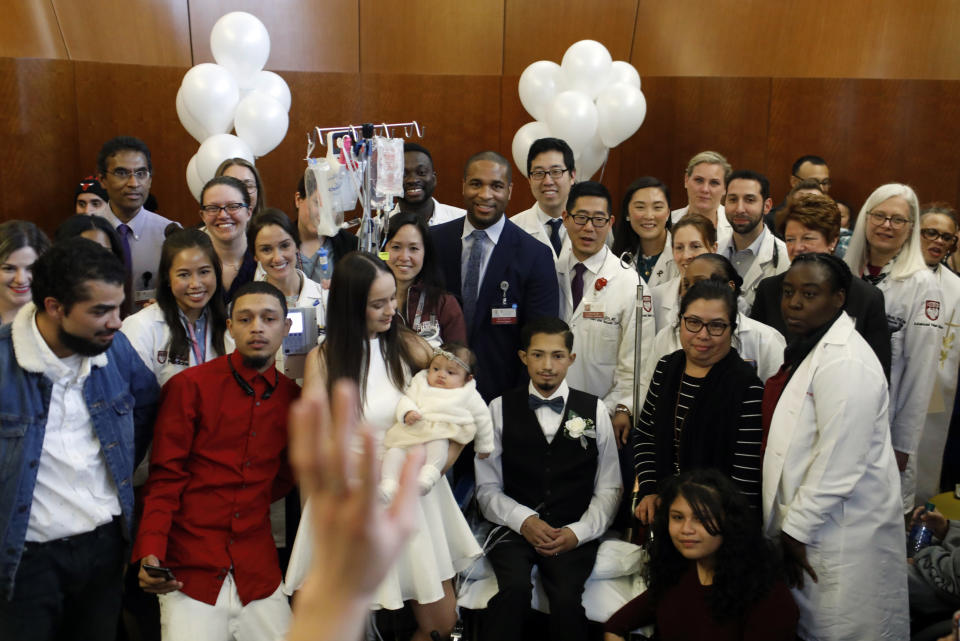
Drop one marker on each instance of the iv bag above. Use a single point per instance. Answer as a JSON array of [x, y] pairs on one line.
[[322, 185]]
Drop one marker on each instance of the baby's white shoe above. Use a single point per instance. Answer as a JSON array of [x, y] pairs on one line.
[[429, 475]]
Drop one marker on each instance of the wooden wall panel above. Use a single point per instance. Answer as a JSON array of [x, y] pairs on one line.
[[810, 39], [319, 35], [132, 100], [142, 32], [431, 36], [38, 126], [870, 132], [537, 31], [29, 30]]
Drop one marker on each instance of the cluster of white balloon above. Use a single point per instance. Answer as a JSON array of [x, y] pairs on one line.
[[588, 100], [236, 93]]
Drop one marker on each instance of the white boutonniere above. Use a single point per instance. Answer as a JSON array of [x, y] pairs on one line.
[[579, 429]]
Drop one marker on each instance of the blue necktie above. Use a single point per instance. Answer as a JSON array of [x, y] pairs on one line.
[[554, 224], [535, 403], [576, 285], [471, 279], [125, 233]]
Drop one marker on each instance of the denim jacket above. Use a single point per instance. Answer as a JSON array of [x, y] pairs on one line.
[[121, 395]]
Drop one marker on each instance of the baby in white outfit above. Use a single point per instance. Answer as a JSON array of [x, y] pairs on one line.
[[441, 404]]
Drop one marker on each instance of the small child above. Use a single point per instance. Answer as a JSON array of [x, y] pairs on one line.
[[441, 404]]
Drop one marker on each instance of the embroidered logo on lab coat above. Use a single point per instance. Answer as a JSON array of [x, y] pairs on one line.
[[162, 356], [933, 309], [647, 303]]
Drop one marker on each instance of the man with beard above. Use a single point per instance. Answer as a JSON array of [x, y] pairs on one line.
[[419, 182], [754, 251], [77, 408], [125, 172], [219, 459]]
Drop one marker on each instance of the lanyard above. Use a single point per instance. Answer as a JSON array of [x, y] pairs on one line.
[[199, 351], [416, 319]]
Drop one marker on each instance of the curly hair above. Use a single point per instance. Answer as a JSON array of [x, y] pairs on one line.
[[746, 564]]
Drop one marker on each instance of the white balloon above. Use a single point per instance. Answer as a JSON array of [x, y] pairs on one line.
[[624, 72], [591, 159], [261, 122], [218, 148], [621, 108], [240, 42], [539, 84], [274, 86], [573, 117], [210, 96], [586, 65], [188, 121], [525, 136], [194, 183]]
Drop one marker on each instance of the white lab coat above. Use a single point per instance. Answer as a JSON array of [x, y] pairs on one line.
[[830, 481], [760, 345], [312, 294], [915, 316], [929, 458], [724, 229], [149, 334], [771, 259], [666, 302], [605, 347], [664, 269]]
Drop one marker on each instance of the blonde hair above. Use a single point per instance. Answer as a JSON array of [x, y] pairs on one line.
[[712, 158], [910, 259]]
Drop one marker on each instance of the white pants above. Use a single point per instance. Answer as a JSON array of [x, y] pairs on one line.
[[186, 619]]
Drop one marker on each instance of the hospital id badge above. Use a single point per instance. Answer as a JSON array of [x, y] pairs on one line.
[[593, 310], [142, 296], [504, 315]]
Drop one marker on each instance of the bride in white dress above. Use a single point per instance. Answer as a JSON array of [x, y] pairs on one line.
[[365, 343]]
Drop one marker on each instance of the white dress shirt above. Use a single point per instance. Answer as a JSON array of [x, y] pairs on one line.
[[74, 493], [503, 510], [146, 241], [493, 237], [441, 213]]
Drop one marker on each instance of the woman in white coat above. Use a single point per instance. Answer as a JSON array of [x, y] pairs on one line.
[[643, 230], [830, 480], [187, 325], [758, 344], [885, 250], [691, 236]]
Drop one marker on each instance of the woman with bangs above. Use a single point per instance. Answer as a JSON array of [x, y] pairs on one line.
[[643, 230]]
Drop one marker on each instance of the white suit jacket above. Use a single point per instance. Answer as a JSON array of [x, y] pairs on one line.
[[771, 260], [724, 230]]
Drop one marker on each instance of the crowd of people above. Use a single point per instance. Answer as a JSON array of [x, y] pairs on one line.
[[768, 391]]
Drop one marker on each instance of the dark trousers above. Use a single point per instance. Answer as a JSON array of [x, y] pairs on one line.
[[562, 578], [67, 589]]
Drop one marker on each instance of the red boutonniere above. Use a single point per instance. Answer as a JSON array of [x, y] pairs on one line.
[[600, 283]]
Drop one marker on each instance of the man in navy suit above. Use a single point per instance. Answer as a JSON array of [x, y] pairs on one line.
[[502, 276]]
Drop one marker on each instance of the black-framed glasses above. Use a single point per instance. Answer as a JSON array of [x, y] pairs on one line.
[[230, 208], [598, 221], [122, 173], [824, 184], [896, 222], [931, 234], [553, 172], [714, 327]]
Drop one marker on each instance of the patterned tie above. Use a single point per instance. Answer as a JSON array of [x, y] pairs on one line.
[[576, 285], [125, 233], [471, 280], [554, 224]]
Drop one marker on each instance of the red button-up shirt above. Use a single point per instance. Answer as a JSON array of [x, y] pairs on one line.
[[219, 459]]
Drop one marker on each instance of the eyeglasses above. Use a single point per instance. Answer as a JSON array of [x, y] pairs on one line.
[[896, 222], [598, 221], [824, 184], [124, 174], [230, 208], [930, 233], [540, 174], [714, 327]]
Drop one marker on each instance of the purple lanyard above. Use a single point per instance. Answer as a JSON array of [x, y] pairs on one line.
[[199, 351]]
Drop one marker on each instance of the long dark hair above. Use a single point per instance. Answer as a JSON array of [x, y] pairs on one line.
[[430, 277], [746, 565], [179, 348], [345, 346], [625, 239]]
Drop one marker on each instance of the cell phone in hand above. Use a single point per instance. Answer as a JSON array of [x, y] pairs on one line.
[[158, 572]]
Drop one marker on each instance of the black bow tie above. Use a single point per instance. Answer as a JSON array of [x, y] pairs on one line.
[[535, 403]]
